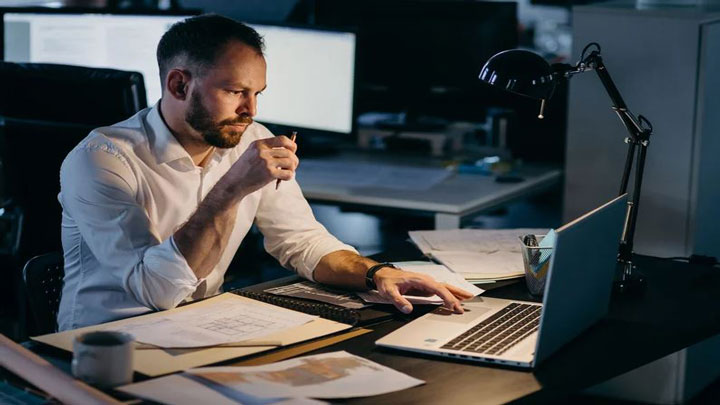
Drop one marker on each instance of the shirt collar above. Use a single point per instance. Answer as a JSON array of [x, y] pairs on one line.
[[163, 143], [166, 147]]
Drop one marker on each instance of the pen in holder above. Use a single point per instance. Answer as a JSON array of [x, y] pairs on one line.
[[536, 260]]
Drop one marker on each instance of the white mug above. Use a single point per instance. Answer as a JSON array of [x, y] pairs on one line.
[[103, 358]]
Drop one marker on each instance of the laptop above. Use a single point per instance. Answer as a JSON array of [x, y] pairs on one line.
[[523, 334]]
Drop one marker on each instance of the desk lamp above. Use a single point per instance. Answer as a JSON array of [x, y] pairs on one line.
[[528, 74]]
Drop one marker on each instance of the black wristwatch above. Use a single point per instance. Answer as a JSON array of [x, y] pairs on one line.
[[369, 281]]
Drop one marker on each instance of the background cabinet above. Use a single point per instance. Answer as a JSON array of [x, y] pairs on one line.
[[666, 64]]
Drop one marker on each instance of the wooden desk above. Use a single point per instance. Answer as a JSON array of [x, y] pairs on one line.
[[458, 197], [679, 308], [638, 330]]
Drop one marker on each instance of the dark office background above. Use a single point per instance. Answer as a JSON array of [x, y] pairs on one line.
[[541, 25], [439, 62]]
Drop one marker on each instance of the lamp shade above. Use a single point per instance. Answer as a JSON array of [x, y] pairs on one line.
[[521, 72]]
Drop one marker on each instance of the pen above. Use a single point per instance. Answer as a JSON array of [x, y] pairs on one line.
[[292, 138]]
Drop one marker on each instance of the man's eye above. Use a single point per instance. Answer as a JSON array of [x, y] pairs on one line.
[[245, 92]]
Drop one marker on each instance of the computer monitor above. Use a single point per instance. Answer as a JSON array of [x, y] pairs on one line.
[[310, 76], [412, 50], [117, 41]]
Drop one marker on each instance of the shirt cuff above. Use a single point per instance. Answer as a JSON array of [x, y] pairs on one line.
[[168, 261], [307, 268]]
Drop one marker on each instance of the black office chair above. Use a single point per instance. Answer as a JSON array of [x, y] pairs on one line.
[[31, 153], [45, 110], [63, 93], [43, 277]]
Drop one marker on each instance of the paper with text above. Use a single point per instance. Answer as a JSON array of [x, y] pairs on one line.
[[178, 389], [477, 254], [473, 265], [328, 375], [472, 240], [214, 324]]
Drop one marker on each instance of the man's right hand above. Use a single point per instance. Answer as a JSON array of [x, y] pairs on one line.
[[264, 160], [204, 237]]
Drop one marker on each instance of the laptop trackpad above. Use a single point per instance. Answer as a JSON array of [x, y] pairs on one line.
[[472, 312]]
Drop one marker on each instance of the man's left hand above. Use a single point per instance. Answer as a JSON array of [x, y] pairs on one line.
[[393, 283]]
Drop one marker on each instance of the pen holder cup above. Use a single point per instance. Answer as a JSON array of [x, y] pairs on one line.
[[537, 261]]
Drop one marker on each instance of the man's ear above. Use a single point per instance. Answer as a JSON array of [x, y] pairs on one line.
[[177, 83]]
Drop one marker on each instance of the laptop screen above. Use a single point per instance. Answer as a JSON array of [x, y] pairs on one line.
[[580, 279]]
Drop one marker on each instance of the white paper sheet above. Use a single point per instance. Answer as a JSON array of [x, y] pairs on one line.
[[328, 375], [472, 240], [356, 174], [177, 389], [438, 272], [214, 324], [476, 265], [477, 254]]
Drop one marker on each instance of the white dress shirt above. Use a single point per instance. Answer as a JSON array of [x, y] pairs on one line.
[[127, 188]]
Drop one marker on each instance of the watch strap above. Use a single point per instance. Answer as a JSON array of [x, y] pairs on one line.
[[369, 276]]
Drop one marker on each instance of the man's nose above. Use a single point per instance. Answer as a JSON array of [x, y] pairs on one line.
[[248, 106]]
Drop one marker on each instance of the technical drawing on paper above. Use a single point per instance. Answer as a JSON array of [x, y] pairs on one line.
[[226, 321]]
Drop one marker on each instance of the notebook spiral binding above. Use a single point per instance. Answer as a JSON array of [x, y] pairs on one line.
[[332, 312]]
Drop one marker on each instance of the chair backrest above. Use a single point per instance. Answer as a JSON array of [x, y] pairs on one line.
[[43, 276], [31, 153], [63, 93]]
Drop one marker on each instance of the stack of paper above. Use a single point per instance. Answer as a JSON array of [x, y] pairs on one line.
[[479, 255]]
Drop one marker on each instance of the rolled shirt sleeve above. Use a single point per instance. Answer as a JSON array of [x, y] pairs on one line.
[[117, 230], [292, 234]]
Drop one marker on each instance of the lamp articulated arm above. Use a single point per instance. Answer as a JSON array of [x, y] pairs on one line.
[[529, 74], [639, 130]]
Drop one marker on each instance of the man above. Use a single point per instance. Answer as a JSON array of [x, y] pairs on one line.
[[155, 207]]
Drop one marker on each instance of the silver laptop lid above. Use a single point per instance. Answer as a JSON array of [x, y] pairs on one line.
[[580, 277]]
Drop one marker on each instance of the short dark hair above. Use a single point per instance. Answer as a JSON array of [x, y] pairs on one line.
[[200, 40]]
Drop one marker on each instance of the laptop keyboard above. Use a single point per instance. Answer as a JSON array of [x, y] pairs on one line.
[[499, 332]]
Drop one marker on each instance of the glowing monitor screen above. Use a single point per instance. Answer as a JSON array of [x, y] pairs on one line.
[[310, 78], [310, 73], [125, 42]]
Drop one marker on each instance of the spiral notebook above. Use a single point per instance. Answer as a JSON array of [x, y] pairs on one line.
[[355, 317]]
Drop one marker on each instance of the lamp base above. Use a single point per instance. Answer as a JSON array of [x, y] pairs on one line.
[[630, 280]]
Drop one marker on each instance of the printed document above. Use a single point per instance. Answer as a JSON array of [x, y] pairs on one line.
[[478, 266], [215, 324], [329, 375], [472, 240], [438, 272], [477, 254]]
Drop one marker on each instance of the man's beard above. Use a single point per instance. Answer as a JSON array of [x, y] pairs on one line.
[[199, 119]]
